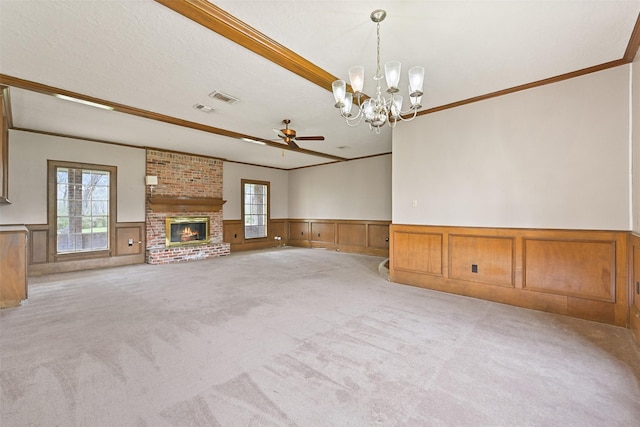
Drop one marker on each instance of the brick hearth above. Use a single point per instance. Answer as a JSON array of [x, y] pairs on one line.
[[183, 175]]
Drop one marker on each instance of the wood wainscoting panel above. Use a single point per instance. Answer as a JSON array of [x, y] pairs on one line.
[[417, 252], [40, 262], [580, 273], [634, 273], [298, 230], [634, 286], [583, 269], [379, 236], [482, 259], [38, 243], [634, 323], [369, 237], [129, 240], [352, 234], [232, 232], [323, 232], [278, 228]]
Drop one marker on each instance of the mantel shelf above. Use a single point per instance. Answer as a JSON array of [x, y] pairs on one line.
[[185, 204]]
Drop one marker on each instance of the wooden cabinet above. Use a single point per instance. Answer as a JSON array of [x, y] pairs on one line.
[[635, 270], [4, 145], [13, 265], [634, 282]]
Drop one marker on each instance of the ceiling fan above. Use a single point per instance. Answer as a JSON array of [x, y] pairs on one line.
[[289, 135]]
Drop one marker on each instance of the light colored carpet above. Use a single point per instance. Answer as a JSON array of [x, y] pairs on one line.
[[299, 337]]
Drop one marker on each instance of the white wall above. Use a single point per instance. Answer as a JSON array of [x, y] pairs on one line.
[[358, 189], [28, 155], [233, 173], [635, 126], [555, 156]]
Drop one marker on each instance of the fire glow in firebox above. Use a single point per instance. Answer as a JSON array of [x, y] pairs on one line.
[[182, 231]]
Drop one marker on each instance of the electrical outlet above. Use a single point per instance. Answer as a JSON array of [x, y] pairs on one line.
[[414, 203], [130, 242]]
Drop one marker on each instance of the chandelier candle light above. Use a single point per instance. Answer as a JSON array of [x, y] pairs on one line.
[[378, 110]]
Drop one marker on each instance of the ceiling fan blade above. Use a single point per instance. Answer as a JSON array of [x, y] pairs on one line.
[[279, 133], [292, 144], [310, 138]]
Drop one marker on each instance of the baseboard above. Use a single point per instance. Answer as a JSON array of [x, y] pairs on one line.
[[88, 264]]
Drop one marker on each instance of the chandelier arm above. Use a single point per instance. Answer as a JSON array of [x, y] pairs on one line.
[[404, 113], [352, 118], [355, 121]]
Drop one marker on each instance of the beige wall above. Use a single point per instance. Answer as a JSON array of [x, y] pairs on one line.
[[233, 173], [359, 189], [28, 155], [555, 156]]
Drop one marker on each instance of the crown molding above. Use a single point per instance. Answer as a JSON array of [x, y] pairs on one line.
[[7, 80]]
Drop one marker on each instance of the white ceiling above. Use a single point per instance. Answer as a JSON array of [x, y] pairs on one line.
[[141, 54]]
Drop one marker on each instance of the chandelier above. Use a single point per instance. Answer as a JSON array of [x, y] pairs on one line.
[[378, 110]]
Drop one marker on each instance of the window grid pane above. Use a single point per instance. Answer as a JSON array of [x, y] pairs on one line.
[[255, 210], [82, 199]]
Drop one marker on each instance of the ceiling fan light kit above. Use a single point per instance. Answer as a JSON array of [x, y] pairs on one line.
[[378, 110]]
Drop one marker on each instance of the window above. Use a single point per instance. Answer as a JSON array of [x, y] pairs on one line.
[[81, 207], [255, 208]]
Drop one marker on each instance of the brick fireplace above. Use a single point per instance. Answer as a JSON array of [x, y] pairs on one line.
[[188, 186]]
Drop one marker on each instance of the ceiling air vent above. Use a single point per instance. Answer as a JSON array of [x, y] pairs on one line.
[[223, 97], [204, 108]]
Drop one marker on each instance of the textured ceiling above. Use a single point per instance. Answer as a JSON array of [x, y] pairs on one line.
[[144, 55]]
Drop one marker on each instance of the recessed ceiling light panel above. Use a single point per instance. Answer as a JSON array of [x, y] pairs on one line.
[[82, 101], [254, 141], [223, 97]]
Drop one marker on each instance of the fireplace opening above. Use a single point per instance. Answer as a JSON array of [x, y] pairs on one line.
[[187, 230]]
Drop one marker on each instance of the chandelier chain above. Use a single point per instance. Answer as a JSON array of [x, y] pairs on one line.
[[378, 52]]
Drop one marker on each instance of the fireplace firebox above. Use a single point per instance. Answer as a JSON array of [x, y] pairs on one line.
[[187, 230]]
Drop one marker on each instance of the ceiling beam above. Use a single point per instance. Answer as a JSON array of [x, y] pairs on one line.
[[121, 108], [230, 27]]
